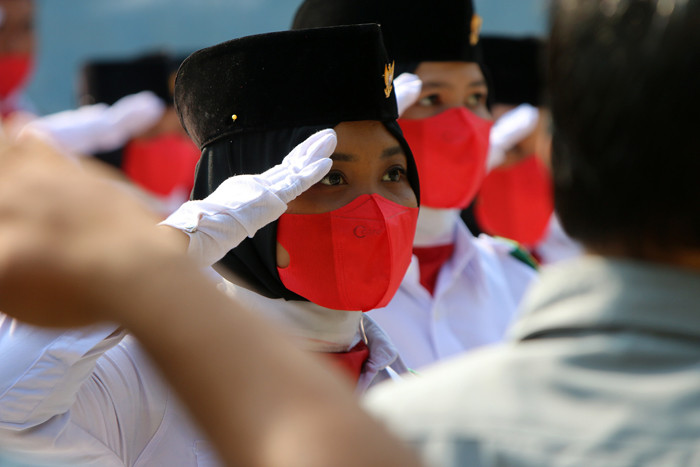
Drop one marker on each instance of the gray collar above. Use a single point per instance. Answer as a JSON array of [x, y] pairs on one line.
[[596, 293]]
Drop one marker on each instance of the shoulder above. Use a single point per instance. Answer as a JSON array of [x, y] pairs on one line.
[[509, 262], [508, 251], [431, 410]]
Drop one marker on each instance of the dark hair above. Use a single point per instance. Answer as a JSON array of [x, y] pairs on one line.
[[625, 96]]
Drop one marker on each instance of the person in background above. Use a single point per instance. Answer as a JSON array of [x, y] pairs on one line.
[[17, 50], [127, 119], [161, 158], [515, 200], [460, 292]]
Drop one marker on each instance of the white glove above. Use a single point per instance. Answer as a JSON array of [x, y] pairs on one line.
[[509, 130], [245, 203], [95, 128], [407, 88]]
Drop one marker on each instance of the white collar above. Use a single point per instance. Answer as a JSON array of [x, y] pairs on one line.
[[313, 327], [436, 226]]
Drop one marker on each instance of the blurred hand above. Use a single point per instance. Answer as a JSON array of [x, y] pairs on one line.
[[70, 241], [407, 89]]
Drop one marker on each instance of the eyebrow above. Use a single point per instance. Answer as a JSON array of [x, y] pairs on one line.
[[388, 152], [444, 84], [342, 157], [392, 151]]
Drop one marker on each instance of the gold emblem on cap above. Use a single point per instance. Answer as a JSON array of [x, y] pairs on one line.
[[476, 29], [388, 79]]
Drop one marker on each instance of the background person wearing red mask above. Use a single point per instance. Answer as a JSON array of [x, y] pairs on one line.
[[460, 292], [160, 158], [515, 200]]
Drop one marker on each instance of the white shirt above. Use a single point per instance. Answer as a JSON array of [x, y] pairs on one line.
[[92, 397], [477, 294]]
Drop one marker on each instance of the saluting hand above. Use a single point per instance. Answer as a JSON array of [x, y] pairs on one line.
[[243, 204]]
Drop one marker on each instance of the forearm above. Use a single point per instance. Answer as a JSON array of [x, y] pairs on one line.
[[261, 401]]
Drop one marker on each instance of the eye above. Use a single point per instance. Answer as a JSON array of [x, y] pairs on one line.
[[394, 174], [333, 179], [429, 101], [476, 100]]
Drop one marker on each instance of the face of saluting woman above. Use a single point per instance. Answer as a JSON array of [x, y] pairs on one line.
[[350, 235]]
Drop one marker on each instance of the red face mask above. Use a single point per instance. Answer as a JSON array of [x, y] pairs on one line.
[[352, 258], [14, 71], [516, 202], [450, 151], [162, 164]]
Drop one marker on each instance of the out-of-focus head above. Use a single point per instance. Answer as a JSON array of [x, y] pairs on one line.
[[17, 42], [17, 27], [624, 80], [436, 40], [107, 81]]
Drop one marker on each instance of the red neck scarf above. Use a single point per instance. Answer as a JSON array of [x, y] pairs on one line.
[[430, 260], [352, 361]]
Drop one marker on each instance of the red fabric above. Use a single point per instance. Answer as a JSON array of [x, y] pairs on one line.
[[450, 151], [351, 362], [352, 258], [14, 71], [516, 202], [431, 259], [162, 164]]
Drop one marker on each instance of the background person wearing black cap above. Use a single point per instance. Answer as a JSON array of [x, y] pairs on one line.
[[460, 292], [161, 159], [90, 395]]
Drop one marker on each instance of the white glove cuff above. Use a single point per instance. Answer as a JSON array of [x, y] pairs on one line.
[[215, 228]]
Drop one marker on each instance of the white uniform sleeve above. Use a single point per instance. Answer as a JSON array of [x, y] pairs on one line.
[[42, 370]]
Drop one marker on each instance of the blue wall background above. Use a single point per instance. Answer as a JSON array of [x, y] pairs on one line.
[[73, 31]]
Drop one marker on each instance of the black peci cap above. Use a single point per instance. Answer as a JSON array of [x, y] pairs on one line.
[[285, 79], [107, 81], [414, 30], [516, 69]]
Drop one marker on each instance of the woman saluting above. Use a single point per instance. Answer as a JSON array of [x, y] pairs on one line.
[[90, 396]]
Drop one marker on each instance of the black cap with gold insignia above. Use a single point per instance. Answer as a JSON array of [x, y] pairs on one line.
[[248, 102], [414, 30], [285, 79]]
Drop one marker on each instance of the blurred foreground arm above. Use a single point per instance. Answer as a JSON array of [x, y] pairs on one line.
[[75, 249]]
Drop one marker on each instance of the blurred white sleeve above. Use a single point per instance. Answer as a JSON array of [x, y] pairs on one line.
[[98, 128]]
